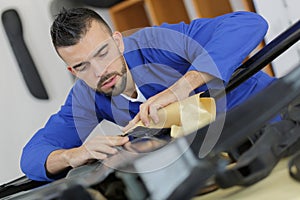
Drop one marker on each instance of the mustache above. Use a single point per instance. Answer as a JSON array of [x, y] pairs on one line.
[[107, 76]]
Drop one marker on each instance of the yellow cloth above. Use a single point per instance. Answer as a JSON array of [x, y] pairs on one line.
[[186, 116]]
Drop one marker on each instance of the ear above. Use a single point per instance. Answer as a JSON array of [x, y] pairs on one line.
[[72, 70], [117, 36]]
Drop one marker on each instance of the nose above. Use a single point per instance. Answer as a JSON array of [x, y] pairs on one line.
[[97, 69]]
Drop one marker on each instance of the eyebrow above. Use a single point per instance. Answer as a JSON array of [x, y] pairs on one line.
[[99, 50], [94, 55]]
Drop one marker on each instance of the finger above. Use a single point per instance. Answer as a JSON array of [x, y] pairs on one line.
[[131, 123], [103, 148], [116, 141], [100, 141], [98, 155], [144, 113], [153, 113], [105, 138]]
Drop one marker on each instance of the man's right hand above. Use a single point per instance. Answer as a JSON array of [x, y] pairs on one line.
[[97, 148]]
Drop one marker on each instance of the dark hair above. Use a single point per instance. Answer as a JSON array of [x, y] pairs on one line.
[[71, 24]]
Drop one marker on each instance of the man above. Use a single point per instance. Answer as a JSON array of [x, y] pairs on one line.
[[129, 79]]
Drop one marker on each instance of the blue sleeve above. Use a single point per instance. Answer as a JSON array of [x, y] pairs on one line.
[[216, 46], [64, 130], [228, 40]]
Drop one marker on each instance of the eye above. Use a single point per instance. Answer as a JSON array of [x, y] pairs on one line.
[[103, 53], [81, 68]]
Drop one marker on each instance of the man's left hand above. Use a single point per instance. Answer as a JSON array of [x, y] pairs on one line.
[[178, 91]]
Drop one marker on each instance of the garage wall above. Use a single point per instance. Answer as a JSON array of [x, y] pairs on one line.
[[281, 14], [21, 113]]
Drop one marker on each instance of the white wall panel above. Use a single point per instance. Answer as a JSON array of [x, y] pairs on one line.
[[281, 14], [21, 113]]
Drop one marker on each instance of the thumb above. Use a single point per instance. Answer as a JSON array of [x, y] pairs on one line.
[[131, 123]]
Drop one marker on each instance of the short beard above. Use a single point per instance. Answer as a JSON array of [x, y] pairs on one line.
[[120, 87]]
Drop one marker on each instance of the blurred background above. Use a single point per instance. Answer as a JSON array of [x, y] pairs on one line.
[[28, 99]]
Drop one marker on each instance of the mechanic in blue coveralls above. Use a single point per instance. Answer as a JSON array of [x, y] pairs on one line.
[[127, 79]]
